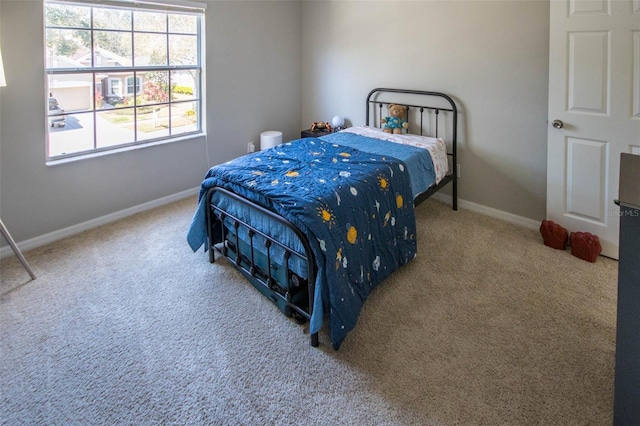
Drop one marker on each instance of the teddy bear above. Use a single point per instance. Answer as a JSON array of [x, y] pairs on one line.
[[395, 122]]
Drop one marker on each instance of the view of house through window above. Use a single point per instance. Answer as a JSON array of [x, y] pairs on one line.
[[119, 75]]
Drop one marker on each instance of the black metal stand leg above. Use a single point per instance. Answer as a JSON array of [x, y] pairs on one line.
[[16, 249], [314, 340], [455, 195]]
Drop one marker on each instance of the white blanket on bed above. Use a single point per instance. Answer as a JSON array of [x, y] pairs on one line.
[[436, 146]]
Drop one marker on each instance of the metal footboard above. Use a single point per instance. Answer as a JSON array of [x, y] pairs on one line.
[[246, 263]]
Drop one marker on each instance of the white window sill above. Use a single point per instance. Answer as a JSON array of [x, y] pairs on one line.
[[58, 161]]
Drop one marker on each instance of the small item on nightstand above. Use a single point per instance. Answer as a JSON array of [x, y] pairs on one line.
[[321, 126], [338, 123]]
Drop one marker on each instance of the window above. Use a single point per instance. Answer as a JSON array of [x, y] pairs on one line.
[[131, 89], [114, 84], [121, 73]]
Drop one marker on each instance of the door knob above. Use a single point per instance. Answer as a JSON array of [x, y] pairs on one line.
[[557, 124]]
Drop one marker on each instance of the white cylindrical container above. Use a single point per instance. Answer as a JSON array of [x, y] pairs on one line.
[[270, 138]]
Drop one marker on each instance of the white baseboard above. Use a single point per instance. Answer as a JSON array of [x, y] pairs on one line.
[[100, 221], [94, 223], [491, 212]]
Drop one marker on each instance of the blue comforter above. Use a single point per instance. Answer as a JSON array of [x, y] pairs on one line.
[[356, 208], [418, 161]]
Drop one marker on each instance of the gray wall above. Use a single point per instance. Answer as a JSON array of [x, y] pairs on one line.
[[253, 84], [282, 65], [491, 56]]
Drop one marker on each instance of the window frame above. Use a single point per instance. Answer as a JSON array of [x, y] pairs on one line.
[[129, 73]]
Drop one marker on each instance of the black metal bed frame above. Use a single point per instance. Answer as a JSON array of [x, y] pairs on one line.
[[451, 176], [262, 278], [247, 265]]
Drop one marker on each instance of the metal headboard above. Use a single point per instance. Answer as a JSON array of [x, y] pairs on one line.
[[375, 102]]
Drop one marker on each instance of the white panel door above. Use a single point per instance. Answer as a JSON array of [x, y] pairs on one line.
[[594, 112]]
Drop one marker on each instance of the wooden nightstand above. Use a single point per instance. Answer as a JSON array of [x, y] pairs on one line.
[[309, 134]]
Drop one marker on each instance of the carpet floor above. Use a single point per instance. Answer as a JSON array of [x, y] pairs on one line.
[[487, 326]]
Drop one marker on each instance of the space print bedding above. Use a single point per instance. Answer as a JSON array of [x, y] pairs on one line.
[[355, 206], [334, 213]]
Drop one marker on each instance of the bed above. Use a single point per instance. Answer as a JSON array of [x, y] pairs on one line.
[[316, 224]]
